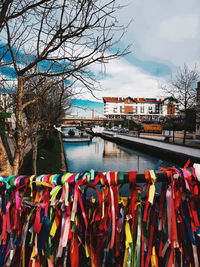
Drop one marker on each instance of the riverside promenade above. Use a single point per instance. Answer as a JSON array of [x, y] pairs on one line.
[[174, 152]]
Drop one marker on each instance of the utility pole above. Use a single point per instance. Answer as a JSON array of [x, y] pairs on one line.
[[128, 123]]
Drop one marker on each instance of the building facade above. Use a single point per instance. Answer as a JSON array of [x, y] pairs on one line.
[[198, 112], [6, 110], [139, 108]]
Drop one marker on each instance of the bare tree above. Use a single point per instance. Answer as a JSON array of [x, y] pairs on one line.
[[56, 38], [182, 88], [11, 9], [52, 103], [5, 109]]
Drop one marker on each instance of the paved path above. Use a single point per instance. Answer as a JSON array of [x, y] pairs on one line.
[[177, 140], [195, 152], [188, 151]]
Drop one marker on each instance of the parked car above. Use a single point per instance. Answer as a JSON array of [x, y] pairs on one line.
[[115, 129], [123, 130]]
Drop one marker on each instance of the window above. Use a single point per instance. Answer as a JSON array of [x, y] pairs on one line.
[[150, 109], [141, 109], [135, 111]]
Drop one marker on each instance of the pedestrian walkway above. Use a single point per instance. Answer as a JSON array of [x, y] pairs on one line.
[[156, 146], [177, 140], [186, 150]]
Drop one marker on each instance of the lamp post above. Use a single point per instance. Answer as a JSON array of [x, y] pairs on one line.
[[129, 118], [128, 123]]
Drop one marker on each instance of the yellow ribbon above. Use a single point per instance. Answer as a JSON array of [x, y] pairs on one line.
[[65, 177], [53, 228], [129, 239], [154, 261], [87, 253], [152, 188], [54, 192]]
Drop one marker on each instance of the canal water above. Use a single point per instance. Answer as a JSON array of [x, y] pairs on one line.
[[102, 155]]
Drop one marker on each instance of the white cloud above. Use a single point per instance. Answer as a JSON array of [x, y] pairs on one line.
[[179, 40], [162, 32], [179, 28], [127, 80]]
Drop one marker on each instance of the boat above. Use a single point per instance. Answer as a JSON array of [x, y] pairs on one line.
[[77, 139], [74, 135]]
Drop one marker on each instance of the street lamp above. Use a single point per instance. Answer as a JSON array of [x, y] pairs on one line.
[[129, 118]]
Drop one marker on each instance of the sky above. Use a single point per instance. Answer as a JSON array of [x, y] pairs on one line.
[[163, 36]]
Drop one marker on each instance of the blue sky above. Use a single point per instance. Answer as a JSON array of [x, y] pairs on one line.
[[164, 35], [85, 108]]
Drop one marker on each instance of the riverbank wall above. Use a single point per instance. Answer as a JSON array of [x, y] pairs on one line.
[[63, 156], [177, 154]]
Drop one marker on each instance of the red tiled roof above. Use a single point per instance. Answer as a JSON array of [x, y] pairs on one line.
[[147, 100], [112, 99], [140, 100]]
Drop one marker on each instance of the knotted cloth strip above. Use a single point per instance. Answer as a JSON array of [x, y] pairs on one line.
[[81, 219]]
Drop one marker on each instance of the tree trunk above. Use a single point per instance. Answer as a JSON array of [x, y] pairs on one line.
[[34, 143], [19, 127], [185, 131], [184, 136], [5, 143], [5, 167], [4, 9]]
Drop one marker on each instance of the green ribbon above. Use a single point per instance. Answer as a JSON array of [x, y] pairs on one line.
[[121, 178], [6, 182]]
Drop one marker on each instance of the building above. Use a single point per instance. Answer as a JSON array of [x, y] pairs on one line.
[[139, 108], [6, 110], [198, 112]]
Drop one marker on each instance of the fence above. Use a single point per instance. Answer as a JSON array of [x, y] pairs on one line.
[[50, 220]]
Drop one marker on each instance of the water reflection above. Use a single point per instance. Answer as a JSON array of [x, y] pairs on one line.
[[102, 155], [111, 150]]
